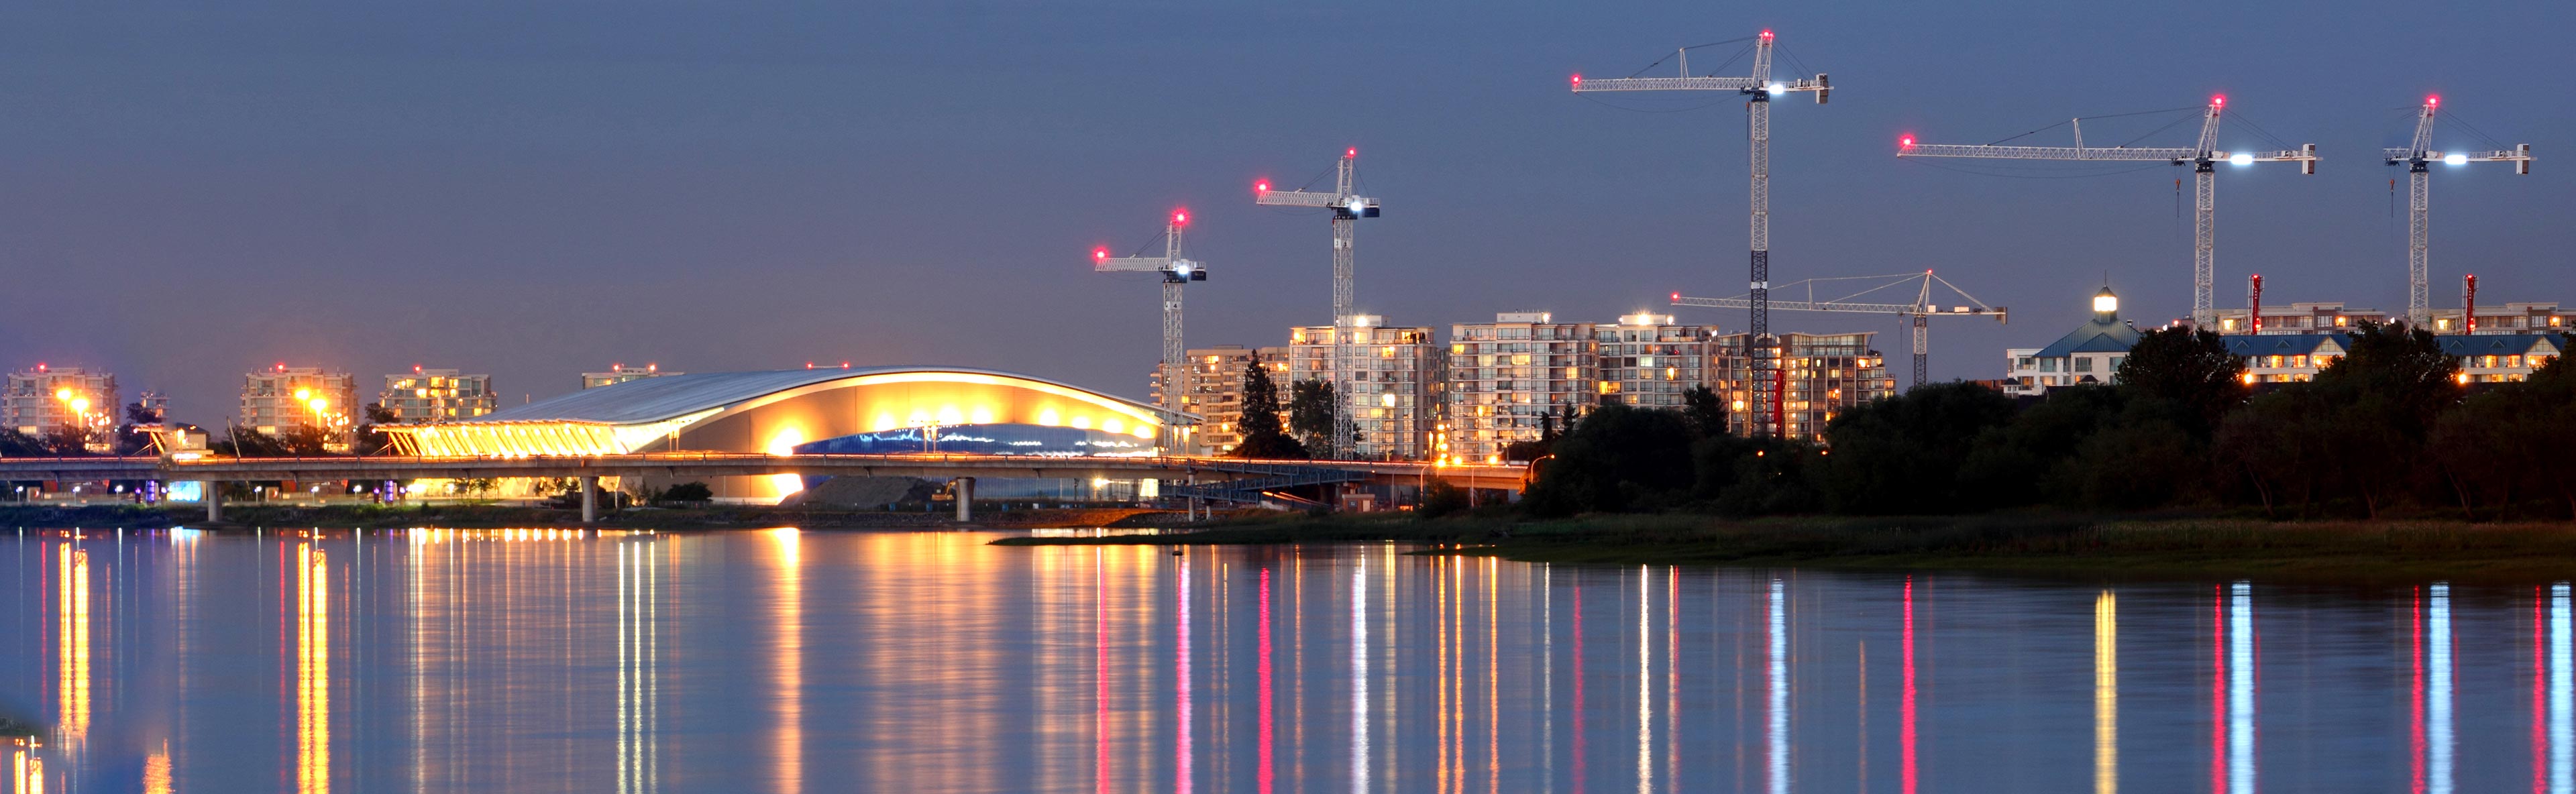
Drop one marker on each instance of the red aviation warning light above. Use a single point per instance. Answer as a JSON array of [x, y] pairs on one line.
[[1099, 255], [1578, 82], [1677, 297], [1766, 35], [1352, 153], [1262, 186], [1180, 217], [2218, 101], [1905, 142], [2432, 101]]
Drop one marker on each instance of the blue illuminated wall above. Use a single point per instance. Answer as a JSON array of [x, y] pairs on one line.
[[995, 439]]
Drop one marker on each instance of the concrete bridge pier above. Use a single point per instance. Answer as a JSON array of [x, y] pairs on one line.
[[590, 499], [213, 494], [964, 488]]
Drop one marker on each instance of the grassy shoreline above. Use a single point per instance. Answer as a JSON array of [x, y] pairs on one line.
[[2194, 547]]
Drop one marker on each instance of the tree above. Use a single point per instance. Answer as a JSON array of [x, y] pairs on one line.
[[2029, 460], [304, 440], [67, 441], [1262, 436], [1620, 458], [1901, 454], [2186, 366], [14, 444], [693, 492], [370, 439], [1704, 412], [246, 443], [1313, 412]]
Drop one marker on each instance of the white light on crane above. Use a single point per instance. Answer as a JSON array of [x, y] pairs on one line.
[[1776, 89], [2455, 159], [2240, 158]]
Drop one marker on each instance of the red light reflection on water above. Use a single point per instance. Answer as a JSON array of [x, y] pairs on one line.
[[1905, 721], [1266, 774]]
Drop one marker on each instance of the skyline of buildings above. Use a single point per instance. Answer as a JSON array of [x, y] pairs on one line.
[[433, 395]]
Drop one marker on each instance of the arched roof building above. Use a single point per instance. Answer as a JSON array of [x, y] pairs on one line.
[[778, 412]]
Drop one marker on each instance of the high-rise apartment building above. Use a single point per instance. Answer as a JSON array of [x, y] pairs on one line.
[[1822, 376], [45, 399], [620, 373], [423, 396], [1216, 391], [283, 397], [1648, 360], [1395, 381], [1506, 375]]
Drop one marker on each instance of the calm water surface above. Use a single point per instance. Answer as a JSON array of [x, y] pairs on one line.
[[432, 660]]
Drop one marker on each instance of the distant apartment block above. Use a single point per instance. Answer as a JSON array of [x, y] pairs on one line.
[[423, 396], [620, 373], [1647, 360], [44, 398], [283, 397], [1507, 375], [1395, 380], [2500, 357], [2303, 318], [1822, 375], [1216, 391]]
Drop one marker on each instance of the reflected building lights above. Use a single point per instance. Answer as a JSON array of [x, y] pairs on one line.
[[1905, 712], [72, 725], [638, 668], [1264, 775], [1645, 681], [1776, 753], [2562, 694], [1359, 675], [312, 670], [2106, 694], [790, 664], [1181, 677], [2240, 689], [2437, 705]]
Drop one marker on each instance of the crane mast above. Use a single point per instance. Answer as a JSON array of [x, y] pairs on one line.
[[1348, 208], [1757, 89], [2418, 157], [2203, 157], [1919, 313], [1177, 272]]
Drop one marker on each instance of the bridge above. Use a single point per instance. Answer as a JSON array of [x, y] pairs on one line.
[[1192, 476]]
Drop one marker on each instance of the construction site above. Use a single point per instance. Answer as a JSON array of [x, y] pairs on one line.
[[1404, 393]]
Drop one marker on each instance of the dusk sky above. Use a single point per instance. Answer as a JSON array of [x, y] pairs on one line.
[[189, 191]]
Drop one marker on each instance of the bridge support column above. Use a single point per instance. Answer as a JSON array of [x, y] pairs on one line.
[[212, 493], [964, 488], [590, 499]]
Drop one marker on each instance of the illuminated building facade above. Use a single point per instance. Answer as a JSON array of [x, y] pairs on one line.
[[2495, 358], [437, 395], [1506, 375], [620, 373], [2088, 355], [283, 397], [2284, 358], [2328, 317], [1648, 360], [807, 411], [1216, 391], [42, 399], [1395, 381], [1825, 374]]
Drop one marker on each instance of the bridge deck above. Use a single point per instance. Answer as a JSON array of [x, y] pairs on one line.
[[722, 464]]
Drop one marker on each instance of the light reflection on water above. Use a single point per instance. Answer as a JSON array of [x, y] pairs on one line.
[[455, 660]]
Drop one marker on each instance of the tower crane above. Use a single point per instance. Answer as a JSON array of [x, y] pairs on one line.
[[1348, 207], [2203, 157], [1919, 312], [2418, 157], [1758, 89], [1177, 272]]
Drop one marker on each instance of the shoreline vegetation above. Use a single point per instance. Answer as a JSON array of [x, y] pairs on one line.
[[2041, 544]]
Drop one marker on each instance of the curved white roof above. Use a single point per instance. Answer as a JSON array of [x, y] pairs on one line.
[[674, 396]]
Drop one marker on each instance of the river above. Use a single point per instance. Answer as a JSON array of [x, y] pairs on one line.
[[785, 661]]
